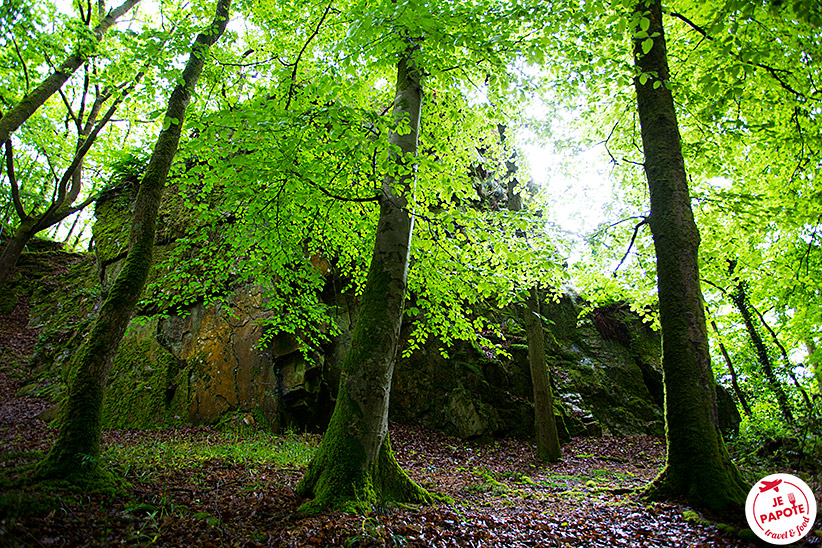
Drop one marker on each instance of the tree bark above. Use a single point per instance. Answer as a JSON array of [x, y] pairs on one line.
[[697, 467], [75, 455], [21, 112], [355, 466], [740, 300], [740, 395], [15, 247], [548, 448]]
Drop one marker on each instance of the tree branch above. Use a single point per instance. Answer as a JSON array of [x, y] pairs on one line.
[[605, 143], [720, 289], [34, 100], [771, 70], [333, 196], [300, 55], [806, 257], [639, 225], [15, 189], [22, 62], [82, 112], [68, 109], [84, 148]]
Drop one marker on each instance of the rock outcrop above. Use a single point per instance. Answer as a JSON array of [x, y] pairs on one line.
[[214, 361]]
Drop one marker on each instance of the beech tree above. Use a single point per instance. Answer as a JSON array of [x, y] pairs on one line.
[[354, 464], [548, 448], [17, 115], [545, 427], [75, 455], [697, 465], [752, 145]]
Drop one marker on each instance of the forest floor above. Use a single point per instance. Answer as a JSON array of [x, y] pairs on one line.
[[210, 488]]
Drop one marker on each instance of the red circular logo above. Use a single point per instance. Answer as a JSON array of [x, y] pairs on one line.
[[780, 509]]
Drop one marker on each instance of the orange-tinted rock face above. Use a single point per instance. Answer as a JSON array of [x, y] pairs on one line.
[[228, 369]]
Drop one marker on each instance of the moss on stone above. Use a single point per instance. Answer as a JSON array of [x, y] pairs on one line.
[[110, 232], [142, 375], [8, 301]]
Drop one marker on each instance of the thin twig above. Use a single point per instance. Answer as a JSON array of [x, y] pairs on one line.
[[300, 55], [639, 225]]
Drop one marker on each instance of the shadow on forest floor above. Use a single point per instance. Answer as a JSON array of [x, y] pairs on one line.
[[203, 487]]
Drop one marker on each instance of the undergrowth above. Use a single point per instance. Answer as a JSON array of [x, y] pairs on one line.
[[763, 446], [255, 447]]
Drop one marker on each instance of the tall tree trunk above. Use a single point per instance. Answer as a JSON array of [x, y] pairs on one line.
[[75, 455], [788, 366], [548, 448], [355, 466], [740, 300], [697, 467], [545, 426], [21, 112], [740, 395]]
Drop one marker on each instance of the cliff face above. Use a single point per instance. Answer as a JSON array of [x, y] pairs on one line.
[[213, 361]]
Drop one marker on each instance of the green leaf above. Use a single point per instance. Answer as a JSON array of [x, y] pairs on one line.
[[168, 122], [647, 45]]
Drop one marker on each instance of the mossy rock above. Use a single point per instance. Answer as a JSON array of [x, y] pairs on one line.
[[144, 383], [8, 302]]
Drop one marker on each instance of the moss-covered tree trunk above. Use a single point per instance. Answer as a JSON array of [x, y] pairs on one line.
[[740, 300], [355, 466], [75, 455], [786, 361], [697, 467], [15, 247], [548, 448]]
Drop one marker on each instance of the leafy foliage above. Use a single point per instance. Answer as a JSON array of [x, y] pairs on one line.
[[285, 153]]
